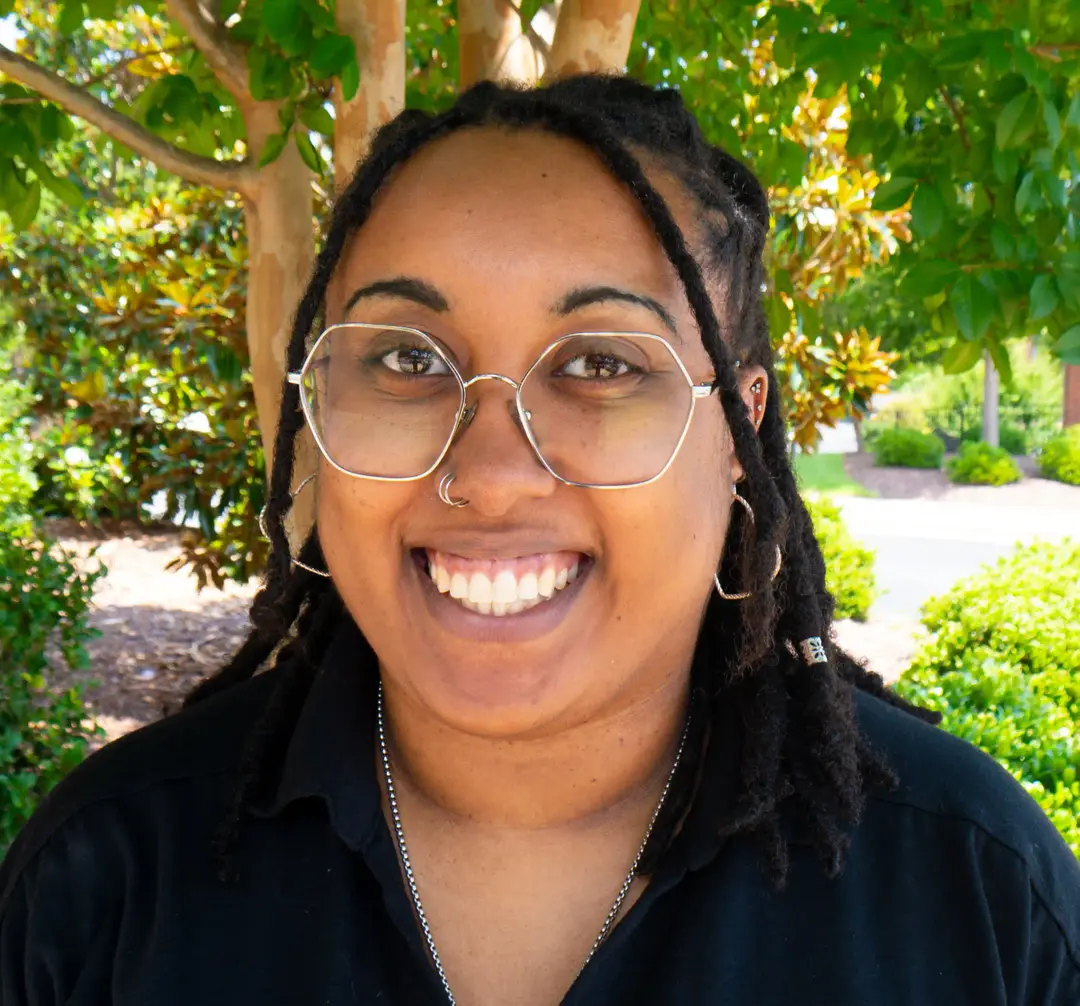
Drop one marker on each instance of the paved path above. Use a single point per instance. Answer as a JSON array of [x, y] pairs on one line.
[[925, 546]]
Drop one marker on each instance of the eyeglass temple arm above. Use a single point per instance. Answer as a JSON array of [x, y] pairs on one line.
[[293, 377], [699, 390]]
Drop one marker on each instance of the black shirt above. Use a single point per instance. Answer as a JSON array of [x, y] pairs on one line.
[[957, 890]]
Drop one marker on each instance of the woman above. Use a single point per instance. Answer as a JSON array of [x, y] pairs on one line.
[[554, 714]]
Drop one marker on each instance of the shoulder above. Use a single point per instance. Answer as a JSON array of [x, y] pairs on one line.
[[200, 743], [952, 786]]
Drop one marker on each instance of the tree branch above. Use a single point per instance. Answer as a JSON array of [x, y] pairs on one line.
[[234, 176], [225, 57], [535, 38], [957, 115], [1050, 50]]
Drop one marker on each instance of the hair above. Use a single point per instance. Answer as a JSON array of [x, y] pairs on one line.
[[803, 756]]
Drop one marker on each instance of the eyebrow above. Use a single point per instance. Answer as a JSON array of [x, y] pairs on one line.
[[587, 295], [404, 287]]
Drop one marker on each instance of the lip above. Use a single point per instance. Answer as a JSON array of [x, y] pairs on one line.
[[522, 627]]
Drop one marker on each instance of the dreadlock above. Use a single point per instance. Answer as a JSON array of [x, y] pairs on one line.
[[803, 757]]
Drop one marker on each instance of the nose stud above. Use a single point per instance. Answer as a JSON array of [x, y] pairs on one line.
[[444, 491]]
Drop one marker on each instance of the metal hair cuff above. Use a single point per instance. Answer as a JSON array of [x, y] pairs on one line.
[[813, 650]]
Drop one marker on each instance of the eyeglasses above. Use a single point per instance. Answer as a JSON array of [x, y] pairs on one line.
[[601, 410]]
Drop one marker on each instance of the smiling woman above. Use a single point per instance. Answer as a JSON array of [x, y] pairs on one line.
[[550, 709]]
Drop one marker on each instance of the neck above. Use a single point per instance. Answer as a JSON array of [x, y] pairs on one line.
[[617, 761]]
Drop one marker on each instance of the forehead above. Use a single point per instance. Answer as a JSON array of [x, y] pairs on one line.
[[525, 213]]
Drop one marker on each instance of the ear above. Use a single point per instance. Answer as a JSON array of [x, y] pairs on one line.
[[754, 390]]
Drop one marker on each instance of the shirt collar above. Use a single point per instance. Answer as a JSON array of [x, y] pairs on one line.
[[331, 756]]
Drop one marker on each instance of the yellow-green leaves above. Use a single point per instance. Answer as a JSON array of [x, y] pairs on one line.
[[1017, 121]]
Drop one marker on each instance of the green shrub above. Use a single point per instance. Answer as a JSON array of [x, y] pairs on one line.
[[1013, 439], [999, 665], [907, 448], [44, 599], [849, 566], [983, 465], [1060, 457]]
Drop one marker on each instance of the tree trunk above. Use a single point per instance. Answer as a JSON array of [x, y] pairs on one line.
[[991, 389], [857, 425], [592, 35], [281, 250], [493, 46], [377, 28], [1072, 395]]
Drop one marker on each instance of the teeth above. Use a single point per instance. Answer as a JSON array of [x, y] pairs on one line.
[[479, 589], [505, 587], [501, 595]]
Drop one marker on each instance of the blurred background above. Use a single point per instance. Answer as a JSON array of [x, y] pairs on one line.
[[166, 168]]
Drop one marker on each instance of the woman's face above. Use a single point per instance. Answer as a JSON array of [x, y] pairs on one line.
[[508, 241]]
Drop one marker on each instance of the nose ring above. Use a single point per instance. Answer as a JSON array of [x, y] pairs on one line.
[[444, 491]]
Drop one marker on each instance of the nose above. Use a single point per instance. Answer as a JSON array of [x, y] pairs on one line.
[[494, 463]]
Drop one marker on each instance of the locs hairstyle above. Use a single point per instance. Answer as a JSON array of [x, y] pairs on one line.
[[802, 756]]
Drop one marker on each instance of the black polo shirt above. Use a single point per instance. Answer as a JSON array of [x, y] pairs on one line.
[[957, 889]]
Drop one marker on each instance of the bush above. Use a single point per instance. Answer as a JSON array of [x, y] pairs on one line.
[[849, 566], [983, 465], [1060, 457], [908, 449], [1000, 666], [43, 597], [1013, 439]]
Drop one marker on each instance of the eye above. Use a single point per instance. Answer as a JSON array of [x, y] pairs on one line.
[[597, 366], [415, 361]]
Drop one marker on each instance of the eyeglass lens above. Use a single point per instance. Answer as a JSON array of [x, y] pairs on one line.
[[603, 409]]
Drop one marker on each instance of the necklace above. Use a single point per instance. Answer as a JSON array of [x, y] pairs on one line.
[[406, 864]]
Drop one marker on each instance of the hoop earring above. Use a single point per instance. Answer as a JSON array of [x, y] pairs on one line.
[[444, 491], [296, 562], [742, 595]]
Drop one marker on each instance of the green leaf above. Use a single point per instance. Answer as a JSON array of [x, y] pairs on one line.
[[308, 154], [331, 55], [63, 188], [972, 306], [1068, 346], [282, 19], [961, 356], [318, 119], [272, 151], [925, 279], [268, 75], [1053, 123], [1000, 357], [350, 79], [103, 9], [1044, 297], [810, 320], [1016, 122], [71, 18], [1001, 240], [23, 211], [1072, 117], [779, 316], [927, 211], [1029, 198], [891, 195]]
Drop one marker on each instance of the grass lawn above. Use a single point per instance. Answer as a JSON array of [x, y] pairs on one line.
[[824, 473]]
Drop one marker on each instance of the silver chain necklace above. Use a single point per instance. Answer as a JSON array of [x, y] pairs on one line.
[[406, 863]]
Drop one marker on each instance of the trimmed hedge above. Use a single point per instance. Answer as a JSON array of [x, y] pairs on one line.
[[1000, 665], [981, 464], [1060, 457], [906, 448], [849, 565]]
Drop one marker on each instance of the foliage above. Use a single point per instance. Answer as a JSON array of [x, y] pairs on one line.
[[907, 448], [134, 316], [849, 565], [1012, 439], [982, 465], [1060, 457], [828, 379], [43, 597], [1000, 665]]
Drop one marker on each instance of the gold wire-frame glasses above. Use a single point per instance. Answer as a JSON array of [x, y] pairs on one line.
[[460, 415]]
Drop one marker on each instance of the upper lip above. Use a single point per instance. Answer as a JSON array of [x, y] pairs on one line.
[[493, 545]]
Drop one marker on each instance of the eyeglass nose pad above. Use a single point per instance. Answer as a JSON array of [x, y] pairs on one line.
[[469, 413]]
